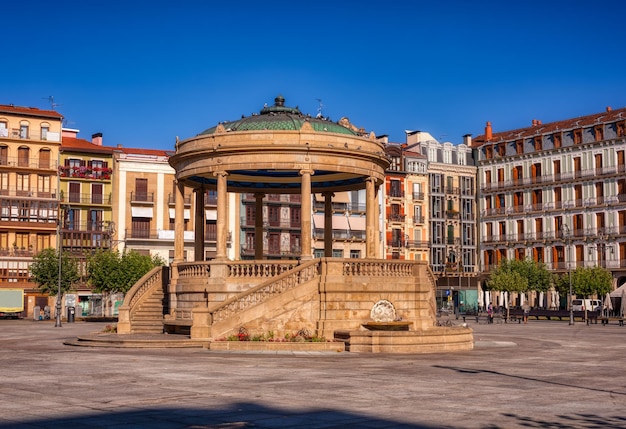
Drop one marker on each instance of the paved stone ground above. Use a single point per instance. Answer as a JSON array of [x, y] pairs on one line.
[[540, 375]]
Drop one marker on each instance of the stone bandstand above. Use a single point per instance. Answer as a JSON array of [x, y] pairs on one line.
[[359, 301]]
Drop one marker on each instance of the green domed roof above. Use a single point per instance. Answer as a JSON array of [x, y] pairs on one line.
[[280, 117]]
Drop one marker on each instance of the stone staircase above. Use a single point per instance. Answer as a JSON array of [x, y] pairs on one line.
[[144, 305], [148, 315]]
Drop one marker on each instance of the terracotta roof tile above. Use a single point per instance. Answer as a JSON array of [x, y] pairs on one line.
[[76, 144], [29, 111], [552, 127]]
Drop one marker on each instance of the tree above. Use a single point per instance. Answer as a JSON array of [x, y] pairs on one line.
[[45, 271], [109, 271], [589, 281]]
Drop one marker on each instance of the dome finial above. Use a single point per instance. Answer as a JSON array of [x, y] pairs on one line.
[[279, 101]]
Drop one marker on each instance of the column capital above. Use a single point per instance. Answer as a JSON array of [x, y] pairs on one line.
[[220, 173], [308, 171]]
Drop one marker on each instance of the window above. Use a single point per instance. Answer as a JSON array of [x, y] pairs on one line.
[[140, 227], [23, 131], [210, 230], [43, 241], [74, 192], [44, 158], [250, 215], [21, 240], [4, 183], [95, 220], [23, 184], [355, 254], [43, 186], [23, 154], [141, 190], [577, 136], [558, 140], [4, 155], [337, 253], [96, 193], [72, 219], [4, 130], [273, 214], [538, 143], [295, 217], [44, 132]]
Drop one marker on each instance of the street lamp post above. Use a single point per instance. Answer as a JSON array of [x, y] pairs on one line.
[[567, 236], [57, 316]]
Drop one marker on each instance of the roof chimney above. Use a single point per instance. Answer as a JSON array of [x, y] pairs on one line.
[[96, 139], [467, 140], [488, 131], [609, 108]]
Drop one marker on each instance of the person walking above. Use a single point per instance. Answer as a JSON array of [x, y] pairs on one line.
[[490, 314], [526, 309]]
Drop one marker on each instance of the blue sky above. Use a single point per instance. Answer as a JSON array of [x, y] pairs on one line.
[[144, 72]]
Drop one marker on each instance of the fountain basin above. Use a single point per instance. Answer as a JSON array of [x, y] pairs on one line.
[[387, 326]]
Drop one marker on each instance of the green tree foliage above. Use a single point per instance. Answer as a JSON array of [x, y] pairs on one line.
[[509, 281], [587, 281], [45, 271], [513, 275], [109, 271]]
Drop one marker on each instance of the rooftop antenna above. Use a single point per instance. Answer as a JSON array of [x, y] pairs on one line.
[[319, 108], [50, 99]]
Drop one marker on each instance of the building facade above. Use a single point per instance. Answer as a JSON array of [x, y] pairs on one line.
[[555, 193], [29, 152]]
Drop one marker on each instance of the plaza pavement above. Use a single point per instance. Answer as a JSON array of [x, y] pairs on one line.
[[539, 375]]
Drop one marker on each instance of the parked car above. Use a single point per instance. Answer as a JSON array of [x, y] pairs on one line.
[[586, 304]]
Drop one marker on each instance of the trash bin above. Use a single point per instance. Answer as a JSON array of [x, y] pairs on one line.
[[71, 313], [36, 311]]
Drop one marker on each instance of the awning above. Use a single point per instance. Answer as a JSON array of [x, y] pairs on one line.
[[339, 197], [141, 212], [210, 214], [187, 214], [339, 222], [357, 223]]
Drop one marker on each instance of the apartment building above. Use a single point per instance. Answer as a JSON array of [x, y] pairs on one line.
[[405, 225], [556, 193], [144, 207], [451, 221], [29, 151]]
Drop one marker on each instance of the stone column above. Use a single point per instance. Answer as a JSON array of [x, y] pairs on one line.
[[370, 218], [258, 226], [377, 244], [328, 224], [179, 223], [305, 190], [222, 206], [199, 223]]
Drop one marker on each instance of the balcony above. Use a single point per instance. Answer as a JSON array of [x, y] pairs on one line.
[[581, 175], [30, 193], [396, 218], [142, 197], [86, 199], [90, 173], [27, 163]]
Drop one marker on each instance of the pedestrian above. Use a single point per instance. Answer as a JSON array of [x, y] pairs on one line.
[[490, 313], [526, 309]]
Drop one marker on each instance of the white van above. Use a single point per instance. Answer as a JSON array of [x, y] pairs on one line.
[[587, 304]]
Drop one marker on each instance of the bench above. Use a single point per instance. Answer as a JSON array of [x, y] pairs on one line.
[[606, 320], [518, 314]]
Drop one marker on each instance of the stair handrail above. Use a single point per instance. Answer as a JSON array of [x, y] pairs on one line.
[[266, 290], [143, 285]]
